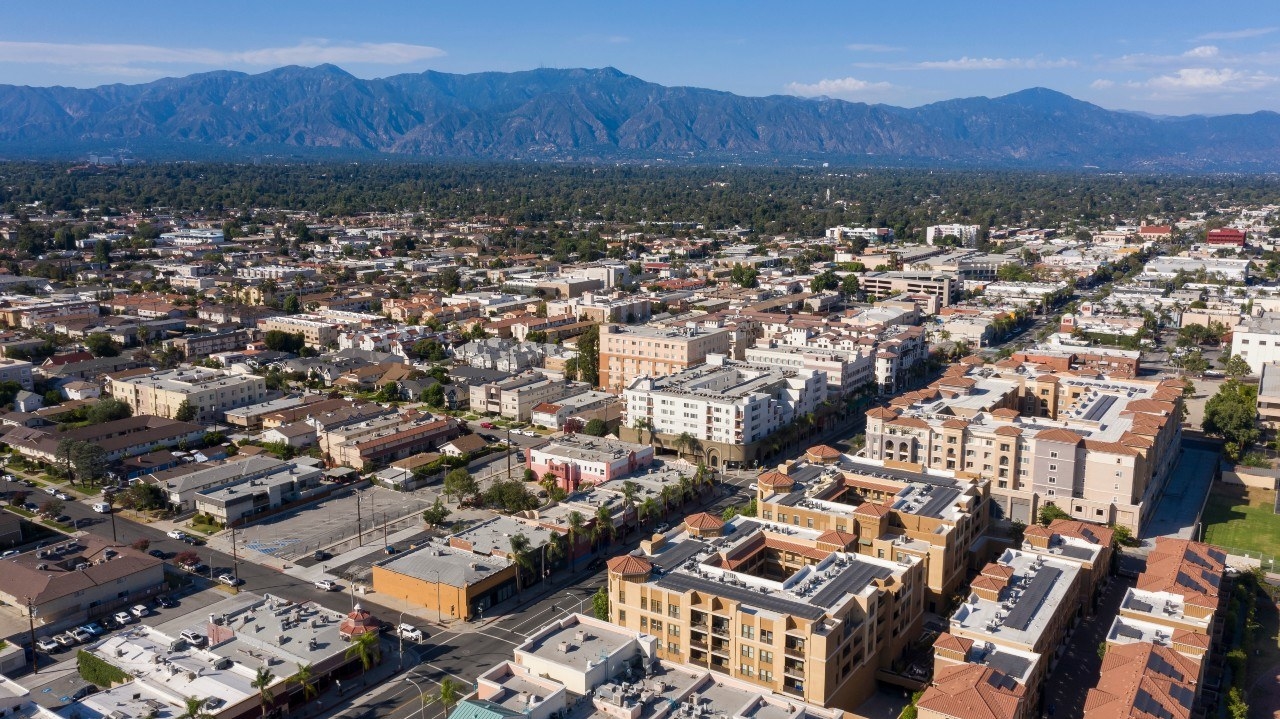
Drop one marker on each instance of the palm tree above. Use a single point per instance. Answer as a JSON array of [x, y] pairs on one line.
[[556, 548], [686, 489], [704, 478], [520, 556], [649, 509], [668, 495], [194, 709], [304, 678], [261, 682], [367, 648], [685, 443], [449, 694], [642, 425], [577, 527], [603, 528], [629, 490]]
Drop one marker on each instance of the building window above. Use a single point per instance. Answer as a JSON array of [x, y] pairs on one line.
[[766, 676], [1053, 480], [748, 632], [673, 629], [673, 648], [1098, 512], [1051, 493], [644, 622], [1053, 455], [748, 652], [766, 656], [622, 617], [673, 611], [766, 636], [1053, 468], [746, 669], [644, 604]]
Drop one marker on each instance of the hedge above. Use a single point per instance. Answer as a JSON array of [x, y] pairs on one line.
[[99, 672]]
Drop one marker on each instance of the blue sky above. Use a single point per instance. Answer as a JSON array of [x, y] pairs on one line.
[[1172, 57]]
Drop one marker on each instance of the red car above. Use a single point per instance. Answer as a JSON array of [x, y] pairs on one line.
[[487, 425]]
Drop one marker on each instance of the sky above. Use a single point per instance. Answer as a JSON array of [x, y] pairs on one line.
[[1173, 57]]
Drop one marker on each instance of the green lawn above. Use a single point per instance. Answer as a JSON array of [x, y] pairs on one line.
[[1242, 519]]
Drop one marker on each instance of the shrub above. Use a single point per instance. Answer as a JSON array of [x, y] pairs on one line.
[[99, 672]]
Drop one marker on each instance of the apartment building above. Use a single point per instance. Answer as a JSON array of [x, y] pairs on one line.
[[390, 443], [847, 371], [966, 234], [195, 347], [34, 313], [1257, 340], [630, 352], [1099, 448], [274, 272], [1121, 364], [896, 350], [729, 408], [578, 459], [318, 332], [121, 438], [1182, 590], [15, 370], [1142, 678], [602, 308], [1023, 604], [515, 397], [974, 680], [1090, 546], [1269, 394], [942, 285], [894, 513], [789, 609], [210, 392]]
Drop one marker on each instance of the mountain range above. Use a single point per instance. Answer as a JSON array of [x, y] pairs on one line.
[[604, 115]]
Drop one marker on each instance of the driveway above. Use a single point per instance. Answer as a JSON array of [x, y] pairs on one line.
[[1079, 669]]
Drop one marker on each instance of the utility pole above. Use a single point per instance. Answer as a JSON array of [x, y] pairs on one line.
[[235, 556], [111, 507], [384, 531], [31, 623], [359, 521], [508, 454]]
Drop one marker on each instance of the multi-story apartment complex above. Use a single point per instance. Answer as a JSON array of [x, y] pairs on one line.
[[729, 408], [595, 307], [1181, 589], [274, 272], [630, 352], [966, 234], [1257, 340], [847, 371], [790, 609], [318, 332], [390, 443], [195, 347], [894, 513], [33, 313], [515, 397], [15, 370], [210, 392], [1097, 447]]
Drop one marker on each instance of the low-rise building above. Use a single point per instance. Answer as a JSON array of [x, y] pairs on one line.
[[78, 579], [195, 347], [1257, 341], [317, 332], [120, 438], [515, 397], [386, 444], [237, 503], [15, 370], [578, 459]]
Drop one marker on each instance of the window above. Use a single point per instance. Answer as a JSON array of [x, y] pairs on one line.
[[766, 656], [673, 629], [656, 626], [766, 636], [748, 632], [673, 611], [1054, 455], [644, 622], [1051, 492], [1053, 468], [746, 669], [673, 648], [622, 617], [622, 597], [782, 517], [1053, 480], [809, 521], [766, 675], [748, 651], [644, 603], [1097, 512]]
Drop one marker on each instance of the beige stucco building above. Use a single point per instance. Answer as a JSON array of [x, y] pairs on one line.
[[630, 352], [211, 392]]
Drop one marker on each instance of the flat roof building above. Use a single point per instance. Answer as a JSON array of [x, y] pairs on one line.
[[627, 353], [209, 392]]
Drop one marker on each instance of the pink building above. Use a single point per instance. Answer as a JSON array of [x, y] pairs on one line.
[[581, 459]]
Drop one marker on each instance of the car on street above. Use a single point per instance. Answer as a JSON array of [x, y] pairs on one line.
[[101, 507], [111, 624], [8, 553], [158, 553], [410, 632], [123, 618], [31, 507], [326, 585], [81, 634], [229, 580], [753, 487], [196, 568], [10, 478], [29, 483], [51, 489], [166, 602], [94, 628], [46, 644], [139, 610], [65, 640], [63, 496], [176, 534], [487, 425], [662, 528], [321, 555]]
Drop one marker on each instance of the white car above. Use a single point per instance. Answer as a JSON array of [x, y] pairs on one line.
[[176, 534], [410, 632], [229, 580], [101, 507], [123, 617], [139, 610], [63, 496], [326, 585]]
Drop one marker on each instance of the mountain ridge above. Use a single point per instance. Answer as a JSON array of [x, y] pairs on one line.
[[606, 115]]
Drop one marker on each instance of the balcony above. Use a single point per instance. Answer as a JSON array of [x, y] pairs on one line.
[[720, 645], [720, 628], [698, 643], [719, 666], [698, 619], [794, 650], [794, 669], [795, 689]]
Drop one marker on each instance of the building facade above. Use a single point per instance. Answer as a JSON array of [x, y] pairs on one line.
[[630, 352], [210, 392]]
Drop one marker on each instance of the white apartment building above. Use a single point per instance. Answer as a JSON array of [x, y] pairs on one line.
[[14, 370], [192, 238], [846, 370], [274, 272], [211, 392], [968, 234], [1257, 340], [730, 408]]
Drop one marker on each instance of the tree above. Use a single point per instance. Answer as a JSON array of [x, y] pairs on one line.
[[390, 392], [19, 498], [436, 514], [849, 286], [262, 681], [577, 528], [824, 281], [1237, 366], [108, 409], [1050, 512], [685, 443], [1195, 363], [460, 484], [281, 341], [449, 695], [642, 425], [588, 364], [186, 412], [102, 252], [101, 345], [1122, 536], [51, 507], [141, 545], [600, 604], [194, 709], [291, 305], [744, 275], [1231, 414], [595, 427], [90, 461], [448, 280], [519, 546], [430, 350], [433, 395], [649, 509], [602, 529], [367, 649], [305, 678], [571, 369], [62, 454]]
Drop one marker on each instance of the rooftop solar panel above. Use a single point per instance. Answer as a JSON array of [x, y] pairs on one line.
[[1020, 616], [675, 554], [749, 596], [850, 580]]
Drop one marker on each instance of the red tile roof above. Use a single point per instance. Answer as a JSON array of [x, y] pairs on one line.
[[973, 691], [629, 566]]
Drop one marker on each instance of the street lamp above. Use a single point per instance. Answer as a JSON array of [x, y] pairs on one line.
[[421, 694]]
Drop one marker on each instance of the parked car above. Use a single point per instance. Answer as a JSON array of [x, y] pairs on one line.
[[139, 610], [158, 553], [193, 637], [10, 478], [123, 618], [8, 553], [321, 555], [111, 623], [410, 632], [94, 628], [326, 585], [197, 568], [31, 507], [166, 602], [65, 640], [662, 528], [81, 634], [46, 644], [229, 580], [101, 507], [176, 534], [487, 425], [50, 489], [63, 496]]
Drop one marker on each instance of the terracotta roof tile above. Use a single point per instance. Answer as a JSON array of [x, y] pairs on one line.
[[1008, 430], [703, 520], [775, 479], [823, 451], [1059, 435], [627, 565]]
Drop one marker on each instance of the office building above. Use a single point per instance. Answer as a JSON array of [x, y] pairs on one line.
[[627, 353]]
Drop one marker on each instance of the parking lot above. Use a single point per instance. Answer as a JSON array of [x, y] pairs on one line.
[[301, 532]]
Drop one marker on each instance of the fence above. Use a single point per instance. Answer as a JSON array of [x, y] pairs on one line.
[[1252, 558]]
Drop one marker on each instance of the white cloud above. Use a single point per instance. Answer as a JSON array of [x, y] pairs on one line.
[[120, 56], [1202, 51], [1102, 84], [872, 47], [1238, 34], [994, 63], [1203, 79], [840, 87]]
